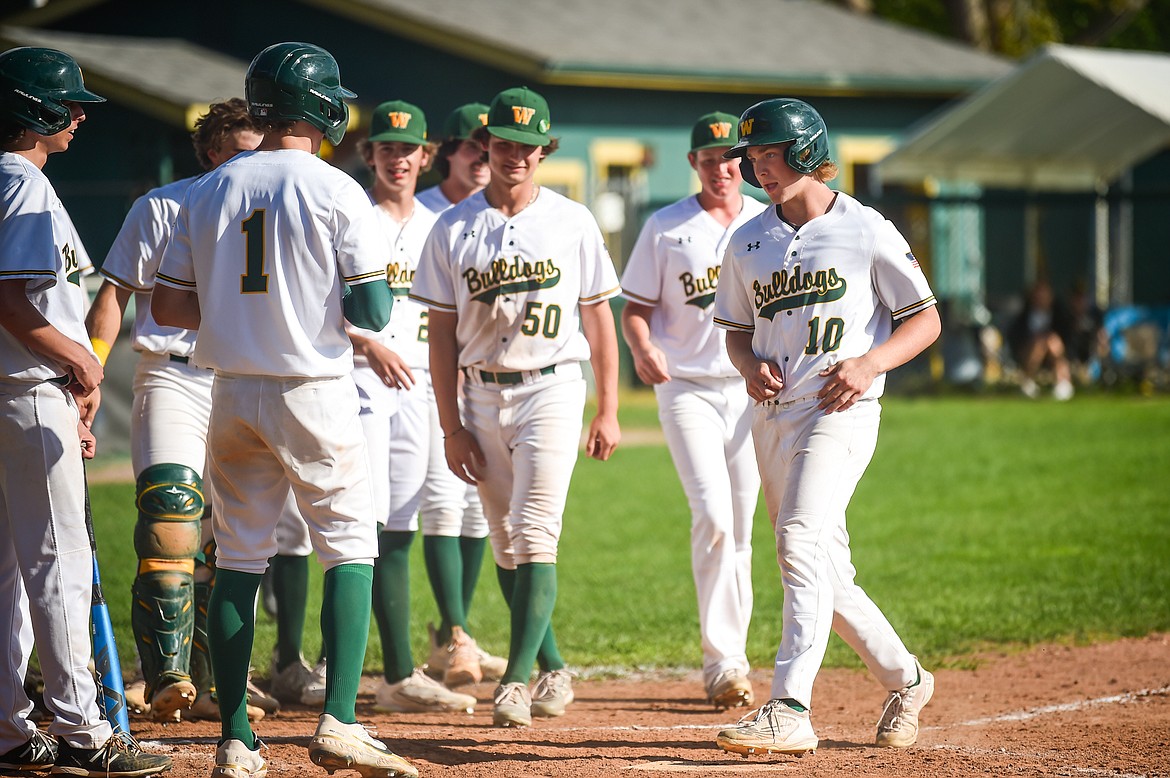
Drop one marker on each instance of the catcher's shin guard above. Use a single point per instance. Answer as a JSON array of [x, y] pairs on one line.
[[166, 539]]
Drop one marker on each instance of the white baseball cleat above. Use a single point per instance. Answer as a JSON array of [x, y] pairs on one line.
[[233, 759], [898, 726], [776, 729], [336, 746], [419, 693], [513, 706], [552, 694], [730, 689]]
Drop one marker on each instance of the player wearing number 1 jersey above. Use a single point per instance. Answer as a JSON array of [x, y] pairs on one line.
[[809, 292], [263, 251], [517, 279], [670, 283]]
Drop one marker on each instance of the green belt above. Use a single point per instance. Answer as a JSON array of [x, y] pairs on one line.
[[511, 378]]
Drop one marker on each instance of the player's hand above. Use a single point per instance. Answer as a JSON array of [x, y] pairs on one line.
[[604, 436], [464, 456], [388, 366], [650, 365], [846, 383], [765, 381], [88, 441], [87, 407], [85, 375]]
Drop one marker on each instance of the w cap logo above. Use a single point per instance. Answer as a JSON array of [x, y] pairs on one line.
[[720, 129], [399, 119], [483, 119], [745, 127], [522, 114]]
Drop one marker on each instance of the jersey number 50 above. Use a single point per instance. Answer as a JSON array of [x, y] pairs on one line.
[[533, 323]]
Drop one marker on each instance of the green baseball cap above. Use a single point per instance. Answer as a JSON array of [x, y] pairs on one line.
[[398, 120], [464, 120], [520, 115], [715, 130]]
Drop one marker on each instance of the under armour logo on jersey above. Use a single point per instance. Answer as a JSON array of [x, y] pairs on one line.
[[399, 119], [469, 234], [720, 129], [522, 114], [681, 239], [754, 246]]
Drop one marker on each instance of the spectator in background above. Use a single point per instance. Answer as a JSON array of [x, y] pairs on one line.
[[1036, 341], [1084, 334]]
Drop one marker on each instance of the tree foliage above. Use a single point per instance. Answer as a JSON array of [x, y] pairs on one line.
[[1016, 28]]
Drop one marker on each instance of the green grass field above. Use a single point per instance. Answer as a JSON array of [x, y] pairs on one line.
[[983, 522]]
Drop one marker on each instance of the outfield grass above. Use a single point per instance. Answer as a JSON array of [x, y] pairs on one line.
[[982, 523]]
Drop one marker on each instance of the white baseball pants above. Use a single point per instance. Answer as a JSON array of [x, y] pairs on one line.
[[46, 567], [269, 432], [707, 424], [811, 463], [530, 434]]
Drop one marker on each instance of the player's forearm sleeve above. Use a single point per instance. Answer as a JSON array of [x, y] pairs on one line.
[[368, 305]]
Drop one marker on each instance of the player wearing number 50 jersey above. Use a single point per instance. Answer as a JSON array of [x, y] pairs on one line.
[[809, 292], [517, 279], [263, 250]]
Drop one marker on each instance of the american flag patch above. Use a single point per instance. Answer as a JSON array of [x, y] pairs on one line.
[[913, 261]]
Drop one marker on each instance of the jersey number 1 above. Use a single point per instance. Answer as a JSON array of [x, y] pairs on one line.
[[255, 280]]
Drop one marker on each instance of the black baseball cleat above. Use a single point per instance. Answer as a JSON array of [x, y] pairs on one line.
[[39, 753], [119, 756]]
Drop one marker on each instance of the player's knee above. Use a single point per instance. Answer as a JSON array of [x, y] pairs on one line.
[[170, 505]]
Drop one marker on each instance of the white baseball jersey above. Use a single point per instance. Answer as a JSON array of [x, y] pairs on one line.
[[261, 273], [39, 243], [133, 261], [675, 267], [842, 275], [516, 282], [434, 199], [406, 334]]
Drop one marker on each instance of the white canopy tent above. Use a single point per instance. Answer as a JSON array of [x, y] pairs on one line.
[[1069, 119]]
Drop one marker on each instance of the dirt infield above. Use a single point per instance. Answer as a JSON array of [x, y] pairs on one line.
[[1102, 710]]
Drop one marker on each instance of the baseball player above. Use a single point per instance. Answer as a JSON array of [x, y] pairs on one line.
[[809, 291], [454, 528], [391, 376], [45, 558], [262, 252], [168, 430], [517, 280], [669, 283], [459, 160]]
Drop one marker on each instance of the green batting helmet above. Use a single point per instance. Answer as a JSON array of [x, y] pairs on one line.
[[299, 81], [36, 84], [781, 120]]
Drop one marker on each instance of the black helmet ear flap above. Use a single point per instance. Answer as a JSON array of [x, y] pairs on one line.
[[748, 171]]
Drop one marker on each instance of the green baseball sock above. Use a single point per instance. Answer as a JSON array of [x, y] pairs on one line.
[[472, 551], [290, 582], [533, 599], [549, 656], [231, 627], [392, 604], [445, 571], [345, 626]]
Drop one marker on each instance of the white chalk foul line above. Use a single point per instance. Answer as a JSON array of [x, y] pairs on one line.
[[1067, 707]]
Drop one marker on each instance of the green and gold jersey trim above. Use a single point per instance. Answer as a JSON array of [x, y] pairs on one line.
[[638, 298], [364, 277], [176, 281], [735, 325], [909, 309], [602, 296], [432, 303]]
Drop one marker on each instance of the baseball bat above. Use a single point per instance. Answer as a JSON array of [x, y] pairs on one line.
[[111, 691]]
